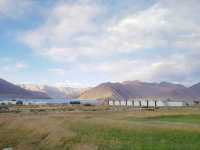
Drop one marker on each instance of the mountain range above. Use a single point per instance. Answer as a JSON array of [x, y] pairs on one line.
[[9, 90], [55, 92], [117, 90], [135, 89]]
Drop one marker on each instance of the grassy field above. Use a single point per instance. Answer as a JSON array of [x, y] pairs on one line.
[[163, 129]]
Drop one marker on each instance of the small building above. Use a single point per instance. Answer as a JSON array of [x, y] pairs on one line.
[[145, 102]]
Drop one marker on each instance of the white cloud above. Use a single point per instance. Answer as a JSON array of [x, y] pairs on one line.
[[122, 70], [176, 68], [141, 30], [20, 65], [57, 71], [9, 65], [60, 37], [74, 32], [161, 26], [15, 8], [71, 32], [72, 84]]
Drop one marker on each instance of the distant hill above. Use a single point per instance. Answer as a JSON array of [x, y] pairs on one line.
[[196, 89], [132, 89], [55, 92], [114, 90], [9, 90]]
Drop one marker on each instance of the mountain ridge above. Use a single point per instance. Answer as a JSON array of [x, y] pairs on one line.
[[196, 89], [55, 92], [115, 90], [132, 89], [9, 90]]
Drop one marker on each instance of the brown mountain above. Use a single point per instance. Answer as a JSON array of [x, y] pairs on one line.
[[132, 89], [9, 90], [105, 90], [162, 89]]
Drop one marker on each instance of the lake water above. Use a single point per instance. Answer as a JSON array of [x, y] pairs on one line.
[[55, 101]]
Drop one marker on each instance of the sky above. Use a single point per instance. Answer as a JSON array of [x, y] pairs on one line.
[[86, 42]]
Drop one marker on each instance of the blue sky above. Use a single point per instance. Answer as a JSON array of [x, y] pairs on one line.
[[86, 42]]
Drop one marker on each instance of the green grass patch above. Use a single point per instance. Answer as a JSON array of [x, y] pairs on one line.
[[179, 118], [112, 138], [191, 119]]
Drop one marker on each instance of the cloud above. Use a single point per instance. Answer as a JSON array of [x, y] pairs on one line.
[[9, 65], [72, 84], [120, 70], [66, 25], [57, 71], [161, 26], [15, 9], [20, 65], [72, 30], [176, 68], [78, 32]]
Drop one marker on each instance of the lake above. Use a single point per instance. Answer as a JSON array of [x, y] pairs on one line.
[[53, 101]]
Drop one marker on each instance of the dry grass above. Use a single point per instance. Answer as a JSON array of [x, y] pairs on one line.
[[100, 129]]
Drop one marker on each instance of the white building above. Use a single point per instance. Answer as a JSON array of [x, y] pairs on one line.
[[147, 103]]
